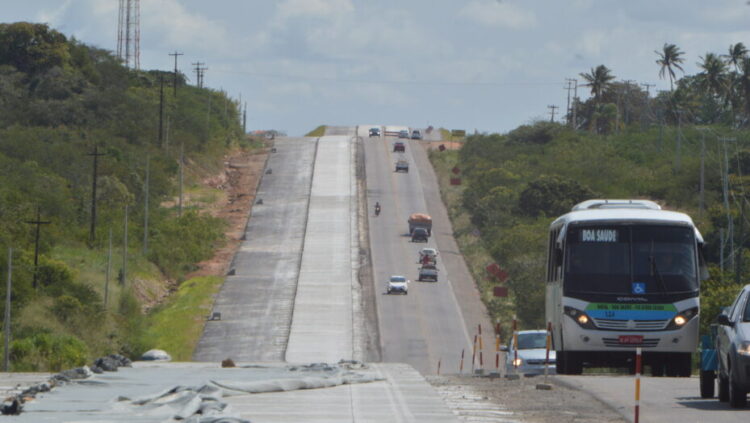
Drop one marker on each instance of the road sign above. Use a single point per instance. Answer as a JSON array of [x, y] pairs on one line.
[[500, 291], [458, 133]]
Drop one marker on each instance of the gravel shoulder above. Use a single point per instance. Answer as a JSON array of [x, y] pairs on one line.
[[519, 400]]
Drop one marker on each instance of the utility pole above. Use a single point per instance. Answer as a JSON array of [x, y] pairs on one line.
[[6, 326], [175, 54], [38, 222], [145, 211], [161, 110], [648, 103], [109, 270], [730, 221], [567, 108], [95, 154], [182, 162], [199, 71], [575, 104], [125, 249], [738, 260], [625, 116], [701, 197], [244, 120], [552, 112], [678, 152]]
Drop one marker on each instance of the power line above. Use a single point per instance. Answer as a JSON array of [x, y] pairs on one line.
[[38, 222]]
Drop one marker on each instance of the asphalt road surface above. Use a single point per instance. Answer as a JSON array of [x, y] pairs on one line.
[[663, 399], [428, 326]]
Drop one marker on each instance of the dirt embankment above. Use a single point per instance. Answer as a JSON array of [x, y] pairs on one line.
[[238, 182]]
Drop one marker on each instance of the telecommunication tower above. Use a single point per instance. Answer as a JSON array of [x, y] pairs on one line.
[[129, 33]]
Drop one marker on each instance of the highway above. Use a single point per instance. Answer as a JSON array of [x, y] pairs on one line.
[[428, 326]]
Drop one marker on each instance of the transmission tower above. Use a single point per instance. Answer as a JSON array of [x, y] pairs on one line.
[[129, 33]]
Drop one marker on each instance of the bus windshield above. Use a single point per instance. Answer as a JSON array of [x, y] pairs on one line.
[[630, 259]]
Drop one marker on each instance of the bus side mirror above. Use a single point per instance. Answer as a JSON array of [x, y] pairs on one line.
[[702, 267], [504, 348]]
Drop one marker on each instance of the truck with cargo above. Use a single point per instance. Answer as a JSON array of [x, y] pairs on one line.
[[420, 220]]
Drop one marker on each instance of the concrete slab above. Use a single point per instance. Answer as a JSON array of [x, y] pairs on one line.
[[402, 395], [322, 324]]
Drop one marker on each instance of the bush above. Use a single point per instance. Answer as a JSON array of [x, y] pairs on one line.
[[45, 352]]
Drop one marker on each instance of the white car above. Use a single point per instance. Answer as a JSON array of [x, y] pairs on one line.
[[398, 284], [431, 255], [531, 354]]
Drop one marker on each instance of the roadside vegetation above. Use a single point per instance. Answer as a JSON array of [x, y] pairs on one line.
[[623, 143], [317, 132], [61, 101]]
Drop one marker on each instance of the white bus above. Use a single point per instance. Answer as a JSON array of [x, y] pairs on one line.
[[623, 274]]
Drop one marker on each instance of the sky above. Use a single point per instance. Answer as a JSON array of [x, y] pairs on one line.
[[485, 65]]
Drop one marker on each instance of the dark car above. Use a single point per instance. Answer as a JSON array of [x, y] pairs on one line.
[[399, 146], [402, 166], [419, 235], [733, 350], [428, 272], [416, 134], [374, 132]]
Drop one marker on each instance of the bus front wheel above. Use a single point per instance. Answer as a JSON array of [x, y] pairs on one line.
[[572, 363]]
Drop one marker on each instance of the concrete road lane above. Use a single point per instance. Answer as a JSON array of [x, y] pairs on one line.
[[426, 326], [256, 302], [323, 315]]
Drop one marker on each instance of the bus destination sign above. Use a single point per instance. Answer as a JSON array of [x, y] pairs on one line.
[[599, 235]]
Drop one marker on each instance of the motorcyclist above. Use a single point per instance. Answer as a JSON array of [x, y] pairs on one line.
[[377, 208]]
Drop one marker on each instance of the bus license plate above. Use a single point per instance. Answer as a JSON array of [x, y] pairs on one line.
[[631, 339]]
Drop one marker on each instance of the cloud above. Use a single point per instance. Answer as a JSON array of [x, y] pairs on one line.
[[495, 13], [172, 26], [314, 8]]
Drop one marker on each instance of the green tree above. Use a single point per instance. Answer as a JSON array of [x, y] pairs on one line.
[[598, 80], [737, 52], [32, 48], [552, 196], [670, 58]]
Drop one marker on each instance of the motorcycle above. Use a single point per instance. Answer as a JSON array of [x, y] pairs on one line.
[[377, 210]]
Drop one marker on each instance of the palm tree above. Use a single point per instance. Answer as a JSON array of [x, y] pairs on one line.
[[599, 80], [744, 84], [670, 57], [737, 52], [713, 78]]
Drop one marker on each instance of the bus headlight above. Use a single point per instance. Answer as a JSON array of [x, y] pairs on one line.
[[517, 362], [744, 349], [682, 318], [580, 317]]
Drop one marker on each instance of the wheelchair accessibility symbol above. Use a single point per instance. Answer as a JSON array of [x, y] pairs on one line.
[[639, 288]]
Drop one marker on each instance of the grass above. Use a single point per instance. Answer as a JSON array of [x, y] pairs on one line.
[[176, 326], [317, 132]]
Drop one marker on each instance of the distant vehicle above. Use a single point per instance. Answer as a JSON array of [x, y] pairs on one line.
[[403, 134], [623, 274], [428, 272], [733, 349], [428, 256], [416, 134], [398, 284], [374, 132], [529, 357], [402, 165], [399, 146], [420, 220], [420, 235]]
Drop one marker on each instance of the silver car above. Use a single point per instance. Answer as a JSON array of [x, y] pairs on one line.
[[529, 358]]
